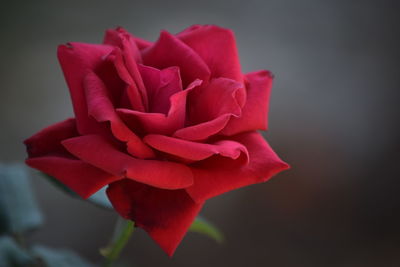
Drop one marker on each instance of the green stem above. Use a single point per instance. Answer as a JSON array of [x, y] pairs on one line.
[[123, 231]]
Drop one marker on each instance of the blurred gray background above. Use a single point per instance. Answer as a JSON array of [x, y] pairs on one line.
[[333, 117]]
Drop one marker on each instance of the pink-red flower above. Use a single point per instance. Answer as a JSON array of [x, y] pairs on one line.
[[165, 125]]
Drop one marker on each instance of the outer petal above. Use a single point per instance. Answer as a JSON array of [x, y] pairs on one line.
[[48, 141], [170, 51], [77, 60], [216, 176], [101, 108], [79, 176], [254, 113], [195, 151], [96, 151], [48, 155], [217, 47], [165, 214]]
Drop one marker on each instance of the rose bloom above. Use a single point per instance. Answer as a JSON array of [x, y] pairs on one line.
[[164, 125]]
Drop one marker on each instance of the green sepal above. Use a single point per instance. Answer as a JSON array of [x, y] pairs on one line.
[[202, 226]]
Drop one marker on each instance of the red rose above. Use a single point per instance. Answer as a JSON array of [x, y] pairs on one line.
[[166, 125]]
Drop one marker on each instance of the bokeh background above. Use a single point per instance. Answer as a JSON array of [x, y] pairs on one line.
[[334, 118]]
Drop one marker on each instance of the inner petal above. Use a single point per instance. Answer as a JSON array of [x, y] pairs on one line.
[[160, 86], [101, 108], [170, 51], [132, 93], [221, 96], [195, 151], [217, 47], [160, 123]]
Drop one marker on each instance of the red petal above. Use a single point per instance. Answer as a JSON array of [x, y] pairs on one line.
[[157, 122], [160, 86], [125, 63], [49, 156], [217, 98], [96, 151], [165, 214], [126, 59], [203, 130], [132, 91], [101, 108], [129, 51], [48, 140], [80, 177], [169, 51], [216, 176], [217, 47], [116, 38], [141, 43], [254, 113], [210, 108], [112, 37], [193, 150], [77, 60]]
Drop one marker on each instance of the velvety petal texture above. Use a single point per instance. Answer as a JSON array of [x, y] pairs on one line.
[[77, 60], [217, 47], [193, 150], [101, 109], [160, 174], [47, 154], [218, 175], [164, 125], [254, 113], [170, 51]]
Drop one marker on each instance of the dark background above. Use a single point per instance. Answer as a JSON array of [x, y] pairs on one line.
[[333, 117]]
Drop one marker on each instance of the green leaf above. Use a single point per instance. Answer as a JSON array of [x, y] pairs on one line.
[[59, 257], [12, 255], [19, 211], [202, 226]]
